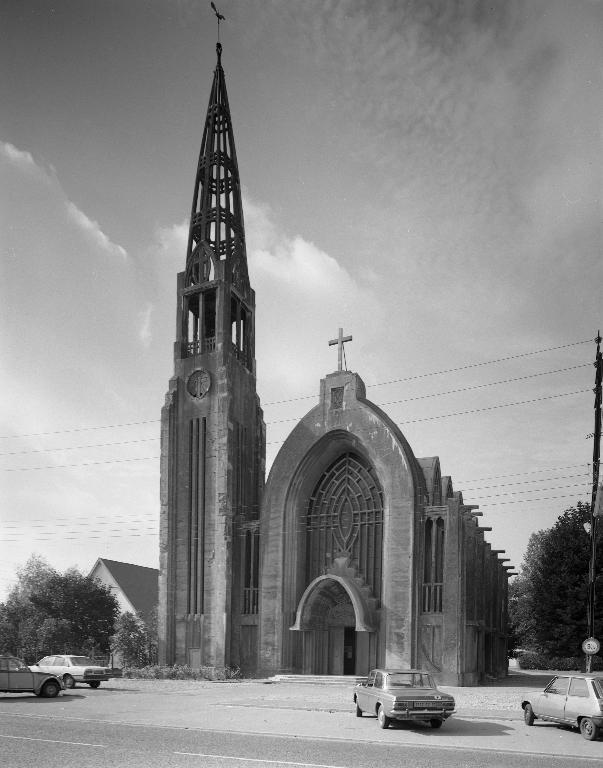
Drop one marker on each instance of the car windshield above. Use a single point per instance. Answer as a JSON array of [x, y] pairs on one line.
[[80, 661], [409, 680]]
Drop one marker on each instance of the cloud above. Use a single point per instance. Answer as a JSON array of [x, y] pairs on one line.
[[23, 161], [144, 317], [93, 230], [312, 294], [17, 156], [171, 241]]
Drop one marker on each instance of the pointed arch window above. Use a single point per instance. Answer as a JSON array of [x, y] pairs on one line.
[[345, 518], [199, 318], [251, 570], [433, 564]]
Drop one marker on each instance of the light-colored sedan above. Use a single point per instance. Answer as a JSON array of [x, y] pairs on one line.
[[402, 694], [572, 699], [74, 669], [17, 677]]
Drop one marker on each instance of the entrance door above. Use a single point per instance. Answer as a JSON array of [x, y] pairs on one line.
[[331, 644], [349, 650]]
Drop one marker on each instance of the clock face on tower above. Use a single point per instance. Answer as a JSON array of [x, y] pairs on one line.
[[198, 383]]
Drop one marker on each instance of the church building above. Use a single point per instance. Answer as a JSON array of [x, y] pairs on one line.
[[355, 553]]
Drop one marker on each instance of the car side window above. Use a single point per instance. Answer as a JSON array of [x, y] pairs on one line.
[[43, 662], [578, 687], [379, 680], [3, 665], [14, 665], [371, 680], [558, 685]]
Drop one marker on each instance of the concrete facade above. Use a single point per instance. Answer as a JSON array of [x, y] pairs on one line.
[[356, 554], [452, 622]]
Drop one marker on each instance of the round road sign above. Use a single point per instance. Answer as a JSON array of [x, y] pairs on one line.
[[591, 646]]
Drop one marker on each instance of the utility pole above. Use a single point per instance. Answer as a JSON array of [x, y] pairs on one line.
[[591, 644]]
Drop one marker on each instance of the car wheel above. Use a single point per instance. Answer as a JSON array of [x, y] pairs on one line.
[[588, 729], [435, 723], [50, 689], [528, 715], [69, 681], [358, 711], [94, 684], [383, 719]]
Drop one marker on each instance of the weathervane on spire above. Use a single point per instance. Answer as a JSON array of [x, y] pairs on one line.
[[219, 17]]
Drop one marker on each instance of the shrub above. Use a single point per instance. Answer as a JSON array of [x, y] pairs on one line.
[[537, 660], [182, 672]]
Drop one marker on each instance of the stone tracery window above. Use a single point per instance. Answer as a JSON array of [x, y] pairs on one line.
[[345, 517]]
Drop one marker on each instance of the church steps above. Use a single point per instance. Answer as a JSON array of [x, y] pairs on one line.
[[319, 679]]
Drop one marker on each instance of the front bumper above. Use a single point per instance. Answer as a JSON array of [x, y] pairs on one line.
[[91, 677], [597, 720], [420, 714]]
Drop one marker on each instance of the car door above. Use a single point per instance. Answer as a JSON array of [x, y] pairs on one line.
[[552, 702], [577, 699], [3, 674], [378, 687], [364, 694], [20, 677]]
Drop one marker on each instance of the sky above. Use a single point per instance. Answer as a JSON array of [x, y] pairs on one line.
[[425, 175]]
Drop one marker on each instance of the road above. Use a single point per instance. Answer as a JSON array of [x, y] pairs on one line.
[[254, 727]]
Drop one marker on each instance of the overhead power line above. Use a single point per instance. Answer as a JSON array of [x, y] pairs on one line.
[[455, 391], [528, 472], [295, 418], [279, 442], [81, 429], [84, 464], [306, 397], [449, 370], [79, 447]]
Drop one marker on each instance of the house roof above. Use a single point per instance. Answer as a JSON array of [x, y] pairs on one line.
[[138, 583]]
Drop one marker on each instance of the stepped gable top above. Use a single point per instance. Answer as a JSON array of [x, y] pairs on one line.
[[138, 583], [430, 466], [447, 489]]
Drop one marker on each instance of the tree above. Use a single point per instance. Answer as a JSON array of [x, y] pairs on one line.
[[50, 612], [547, 601], [131, 640]]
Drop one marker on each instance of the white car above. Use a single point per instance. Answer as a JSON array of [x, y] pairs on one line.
[[572, 699], [74, 669]]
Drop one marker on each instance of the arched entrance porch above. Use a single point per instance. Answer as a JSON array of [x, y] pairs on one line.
[[338, 637]]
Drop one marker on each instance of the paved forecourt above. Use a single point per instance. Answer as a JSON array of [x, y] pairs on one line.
[[487, 718]]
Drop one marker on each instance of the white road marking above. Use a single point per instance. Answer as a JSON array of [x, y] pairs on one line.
[[54, 741], [260, 760]]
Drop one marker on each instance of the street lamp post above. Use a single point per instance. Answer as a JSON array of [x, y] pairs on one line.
[[591, 645]]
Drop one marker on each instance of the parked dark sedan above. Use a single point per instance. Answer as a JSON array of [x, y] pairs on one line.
[[402, 694], [17, 677]]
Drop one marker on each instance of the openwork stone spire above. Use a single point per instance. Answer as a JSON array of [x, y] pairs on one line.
[[216, 241]]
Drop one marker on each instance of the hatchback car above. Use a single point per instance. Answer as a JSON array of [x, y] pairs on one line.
[[74, 669], [407, 694], [17, 677], [573, 699]]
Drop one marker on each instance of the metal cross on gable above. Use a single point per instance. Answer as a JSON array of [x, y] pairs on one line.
[[340, 341]]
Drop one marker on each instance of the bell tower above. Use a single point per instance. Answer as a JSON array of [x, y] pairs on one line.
[[212, 427]]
